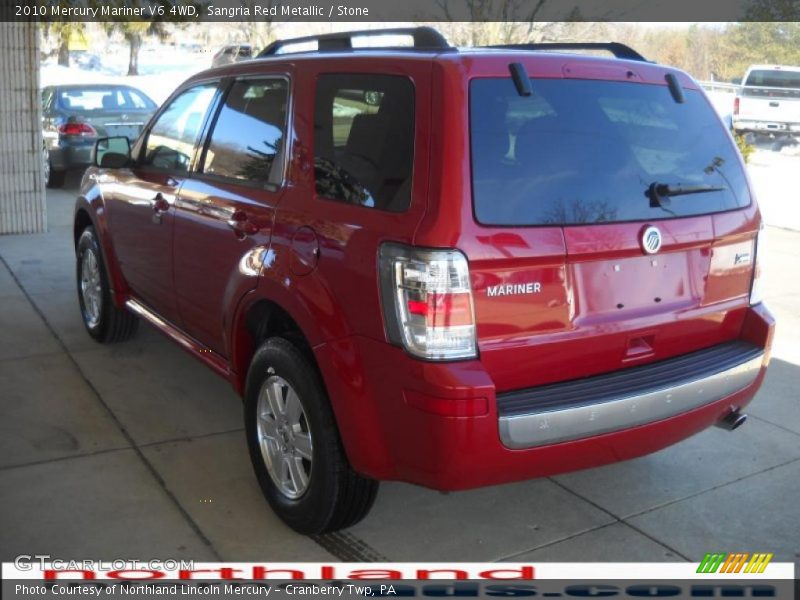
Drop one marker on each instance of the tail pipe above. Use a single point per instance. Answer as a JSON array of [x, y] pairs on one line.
[[733, 420]]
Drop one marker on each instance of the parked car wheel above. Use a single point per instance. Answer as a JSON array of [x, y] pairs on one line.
[[103, 320], [52, 178], [295, 446]]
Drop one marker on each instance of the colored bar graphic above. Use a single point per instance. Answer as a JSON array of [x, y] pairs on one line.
[[718, 562]]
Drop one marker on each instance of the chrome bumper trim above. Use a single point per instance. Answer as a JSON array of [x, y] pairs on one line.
[[554, 426]]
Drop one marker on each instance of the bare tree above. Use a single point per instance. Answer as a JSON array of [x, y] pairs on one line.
[[492, 22], [258, 31]]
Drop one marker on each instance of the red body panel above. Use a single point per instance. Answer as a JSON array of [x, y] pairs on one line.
[[604, 304], [370, 383]]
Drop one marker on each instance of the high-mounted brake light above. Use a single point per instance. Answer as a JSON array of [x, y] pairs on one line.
[[83, 129], [427, 302], [757, 286]]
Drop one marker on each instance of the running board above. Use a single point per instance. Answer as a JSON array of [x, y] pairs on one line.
[[210, 358]]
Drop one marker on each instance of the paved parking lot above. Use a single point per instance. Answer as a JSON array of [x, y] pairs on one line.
[[137, 451]]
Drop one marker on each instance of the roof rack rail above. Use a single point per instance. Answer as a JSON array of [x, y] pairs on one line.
[[615, 48], [424, 38]]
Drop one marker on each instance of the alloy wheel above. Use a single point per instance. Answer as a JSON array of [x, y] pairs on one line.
[[284, 436], [91, 288]]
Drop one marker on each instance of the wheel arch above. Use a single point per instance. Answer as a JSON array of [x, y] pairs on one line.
[[257, 319], [90, 211]]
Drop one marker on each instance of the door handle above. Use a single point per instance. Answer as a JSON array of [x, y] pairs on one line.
[[160, 204], [242, 224]]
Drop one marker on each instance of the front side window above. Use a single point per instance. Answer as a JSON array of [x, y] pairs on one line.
[[584, 151], [364, 140], [172, 139], [248, 137]]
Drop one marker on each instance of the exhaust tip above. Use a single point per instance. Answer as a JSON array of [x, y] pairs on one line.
[[733, 420]]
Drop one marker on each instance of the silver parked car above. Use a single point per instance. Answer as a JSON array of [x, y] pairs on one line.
[[74, 116]]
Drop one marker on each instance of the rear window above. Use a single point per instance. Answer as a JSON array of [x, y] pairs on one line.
[[773, 78], [579, 151], [103, 99]]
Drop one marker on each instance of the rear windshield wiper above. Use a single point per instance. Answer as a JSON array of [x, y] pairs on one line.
[[660, 193]]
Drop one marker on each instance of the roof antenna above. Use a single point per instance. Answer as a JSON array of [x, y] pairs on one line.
[[675, 88], [521, 80]]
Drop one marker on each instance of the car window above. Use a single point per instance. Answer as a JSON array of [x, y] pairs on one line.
[[47, 95], [93, 99], [171, 140], [581, 151], [248, 136], [774, 78], [138, 101], [364, 140]]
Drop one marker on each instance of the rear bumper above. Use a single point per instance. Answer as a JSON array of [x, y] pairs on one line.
[[623, 399], [441, 425], [71, 155], [766, 126]]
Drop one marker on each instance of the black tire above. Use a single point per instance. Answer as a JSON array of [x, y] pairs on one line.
[[110, 324], [52, 178], [336, 496], [56, 179]]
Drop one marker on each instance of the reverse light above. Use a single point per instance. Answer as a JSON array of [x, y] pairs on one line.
[[757, 287], [72, 128], [427, 302]]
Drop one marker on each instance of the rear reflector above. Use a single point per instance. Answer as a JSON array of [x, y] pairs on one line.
[[447, 407]]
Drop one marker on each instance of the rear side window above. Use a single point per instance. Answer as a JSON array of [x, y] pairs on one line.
[[364, 140], [580, 151], [248, 137], [171, 140]]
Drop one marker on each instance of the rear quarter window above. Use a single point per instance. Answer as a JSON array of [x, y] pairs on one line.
[[579, 152]]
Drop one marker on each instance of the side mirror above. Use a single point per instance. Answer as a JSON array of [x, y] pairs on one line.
[[112, 152]]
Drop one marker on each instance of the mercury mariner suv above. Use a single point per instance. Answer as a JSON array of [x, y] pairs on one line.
[[450, 267]]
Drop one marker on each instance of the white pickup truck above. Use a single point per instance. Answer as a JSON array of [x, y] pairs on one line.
[[769, 101]]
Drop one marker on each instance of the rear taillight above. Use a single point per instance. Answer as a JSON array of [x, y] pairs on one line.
[[736, 105], [83, 129], [757, 287], [427, 302]]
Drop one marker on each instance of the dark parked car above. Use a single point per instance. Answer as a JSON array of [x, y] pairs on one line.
[[75, 116], [232, 53], [450, 268]]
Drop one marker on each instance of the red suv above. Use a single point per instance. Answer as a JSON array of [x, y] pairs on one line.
[[454, 268]]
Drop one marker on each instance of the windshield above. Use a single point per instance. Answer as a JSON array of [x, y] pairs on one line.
[[581, 151], [774, 78]]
